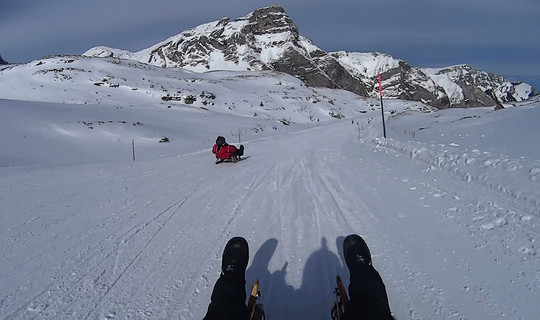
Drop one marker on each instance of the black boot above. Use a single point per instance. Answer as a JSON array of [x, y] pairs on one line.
[[235, 259], [356, 252], [368, 298], [228, 300]]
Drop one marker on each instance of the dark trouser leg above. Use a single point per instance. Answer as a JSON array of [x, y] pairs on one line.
[[228, 300], [368, 299]]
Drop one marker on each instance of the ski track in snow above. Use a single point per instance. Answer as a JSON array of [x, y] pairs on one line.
[[144, 240]]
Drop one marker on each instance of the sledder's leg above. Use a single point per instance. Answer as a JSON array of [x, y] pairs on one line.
[[367, 293], [237, 156], [228, 299]]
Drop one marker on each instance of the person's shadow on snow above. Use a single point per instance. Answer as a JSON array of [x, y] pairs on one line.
[[313, 300]]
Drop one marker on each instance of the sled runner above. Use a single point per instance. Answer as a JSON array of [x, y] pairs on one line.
[[338, 308], [255, 310]]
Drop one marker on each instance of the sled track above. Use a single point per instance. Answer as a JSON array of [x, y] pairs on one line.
[[101, 282], [177, 205], [240, 219]]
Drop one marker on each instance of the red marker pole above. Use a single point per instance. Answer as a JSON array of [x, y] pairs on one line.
[[382, 109]]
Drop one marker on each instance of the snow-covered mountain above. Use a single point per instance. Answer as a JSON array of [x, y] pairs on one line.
[[267, 39], [456, 86], [468, 87], [399, 80], [104, 218], [113, 81]]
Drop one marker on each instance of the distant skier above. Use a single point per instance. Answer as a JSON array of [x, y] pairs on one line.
[[224, 151], [368, 299]]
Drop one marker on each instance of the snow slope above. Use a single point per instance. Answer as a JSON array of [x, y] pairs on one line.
[[125, 84], [449, 206]]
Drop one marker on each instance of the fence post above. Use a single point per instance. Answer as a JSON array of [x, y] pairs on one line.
[[133, 148], [382, 108]]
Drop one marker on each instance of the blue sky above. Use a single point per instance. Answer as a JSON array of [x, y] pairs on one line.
[[498, 36]]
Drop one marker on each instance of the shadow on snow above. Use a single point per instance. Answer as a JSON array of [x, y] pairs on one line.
[[313, 300]]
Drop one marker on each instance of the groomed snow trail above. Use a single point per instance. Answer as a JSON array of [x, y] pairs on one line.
[[144, 240]]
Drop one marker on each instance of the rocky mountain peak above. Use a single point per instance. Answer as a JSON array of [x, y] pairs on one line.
[[246, 43], [271, 20], [2, 61], [268, 39], [469, 87]]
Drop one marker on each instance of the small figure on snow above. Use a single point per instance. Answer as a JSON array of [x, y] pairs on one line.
[[225, 151]]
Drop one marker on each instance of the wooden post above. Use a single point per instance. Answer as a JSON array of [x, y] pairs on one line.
[[133, 148], [382, 108]]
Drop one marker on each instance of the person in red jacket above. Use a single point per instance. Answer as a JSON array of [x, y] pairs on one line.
[[224, 151]]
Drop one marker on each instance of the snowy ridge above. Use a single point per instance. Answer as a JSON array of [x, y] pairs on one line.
[[267, 39], [455, 79], [247, 43], [455, 86], [111, 81], [107, 52], [366, 65]]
